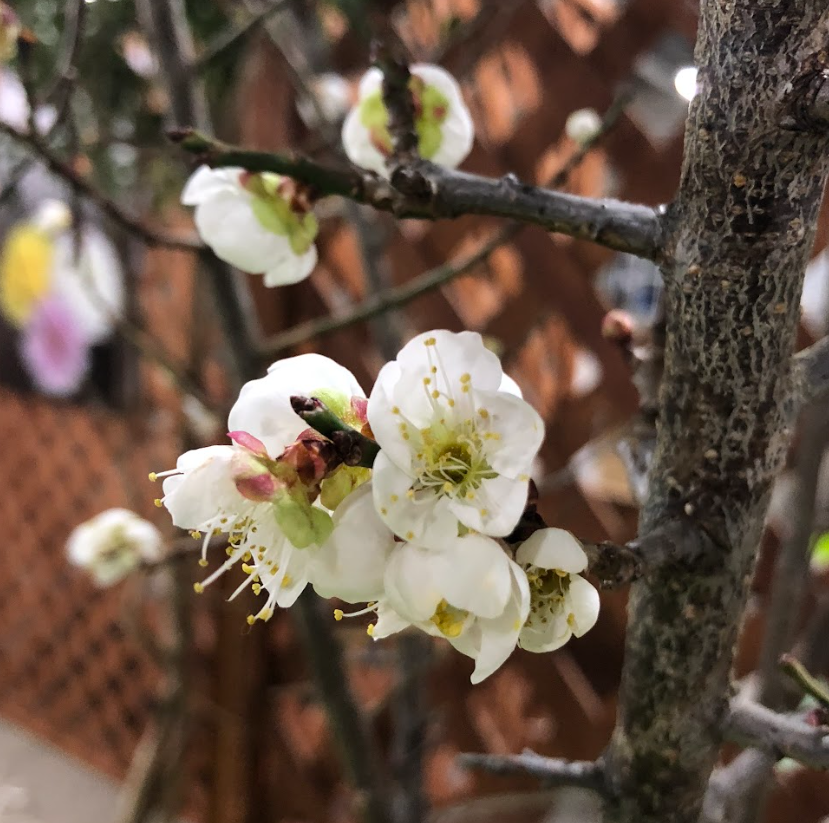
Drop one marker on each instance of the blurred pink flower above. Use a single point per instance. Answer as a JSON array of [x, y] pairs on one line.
[[54, 350]]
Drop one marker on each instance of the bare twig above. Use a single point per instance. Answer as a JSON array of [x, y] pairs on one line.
[[111, 209], [553, 771], [357, 748], [227, 39], [395, 298], [780, 735], [423, 190], [60, 90], [807, 683]]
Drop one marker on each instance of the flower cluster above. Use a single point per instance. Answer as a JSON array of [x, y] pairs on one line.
[[421, 535], [61, 298]]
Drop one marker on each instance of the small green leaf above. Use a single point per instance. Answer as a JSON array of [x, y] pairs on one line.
[[820, 553]]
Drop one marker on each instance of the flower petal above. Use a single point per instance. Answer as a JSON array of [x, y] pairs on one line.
[[424, 518], [583, 600], [388, 622], [358, 145], [553, 549], [474, 574], [206, 183], [384, 417], [411, 589], [519, 432], [351, 564], [496, 507], [291, 269]]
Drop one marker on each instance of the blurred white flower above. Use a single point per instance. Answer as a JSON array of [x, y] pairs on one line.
[[442, 121], [582, 125], [333, 99], [112, 544], [562, 602], [254, 222], [469, 593], [455, 447]]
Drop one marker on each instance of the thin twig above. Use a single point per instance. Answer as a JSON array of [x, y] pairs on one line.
[[425, 191], [553, 771], [807, 682], [780, 735], [400, 296], [83, 187], [227, 39], [358, 750], [60, 90]]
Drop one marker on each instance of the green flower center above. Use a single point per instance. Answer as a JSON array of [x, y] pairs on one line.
[[277, 214]]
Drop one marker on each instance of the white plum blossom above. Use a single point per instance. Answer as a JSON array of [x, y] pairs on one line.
[[331, 100], [562, 602], [112, 544], [457, 444], [255, 222], [265, 505], [582, 125], [469, 593], [442, 121]]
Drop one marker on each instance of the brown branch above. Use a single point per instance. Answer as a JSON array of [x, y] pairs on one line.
[[780, 735], [425, 191], [89, 192], [227, 39], [358, 750], [397, 97], [553, 771], [397, 297]]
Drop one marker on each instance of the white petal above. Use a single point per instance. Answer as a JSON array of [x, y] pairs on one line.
[[425, 519], [474, 574], [553, 549], [291, 269], [385, 424], [351, 564], [388, 622], [204, 490], [509, 386], [358, 146], [297, 565], [206, 183], [411, 589], [496, 507], [370, 82], [264, 405], [500, 635], [520, 431], [458, 133], [583, 600]]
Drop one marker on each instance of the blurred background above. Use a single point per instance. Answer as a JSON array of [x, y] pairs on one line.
[[87, 697]]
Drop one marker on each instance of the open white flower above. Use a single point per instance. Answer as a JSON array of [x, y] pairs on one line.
[[112, 544], [562, 602], [254, 222], [442, 121], [455, 447], [244, 491], [470, 593]]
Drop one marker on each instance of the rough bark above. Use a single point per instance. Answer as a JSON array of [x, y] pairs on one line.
[[738, 240]]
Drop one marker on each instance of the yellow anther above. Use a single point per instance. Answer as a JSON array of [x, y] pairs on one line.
[[470, 495], [409, 535], [157, 503], [410, 494], [561, 573], [202, 562], [247, 557], [250, 619], [287, 581], [451, 403], [198, 588], [370, 630], [195, 534], [427, 381], [265, 614], [484, 512], [465, 387], [429, 341], [229, 551], [248, 569], [338, 615], [435, 394], [447, 486], [153, 477], [257, 588], [434, 370], [571, 620], [394, 498], [465, 378], [484, 413], [384, 511], [405, 435], [395, 410]]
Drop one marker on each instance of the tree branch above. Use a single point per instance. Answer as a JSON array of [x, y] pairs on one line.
[[85, 189], [423, 190], [553, 771], [780, 735]]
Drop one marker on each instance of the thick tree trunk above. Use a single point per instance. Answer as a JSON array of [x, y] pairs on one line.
[[738, 240]]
